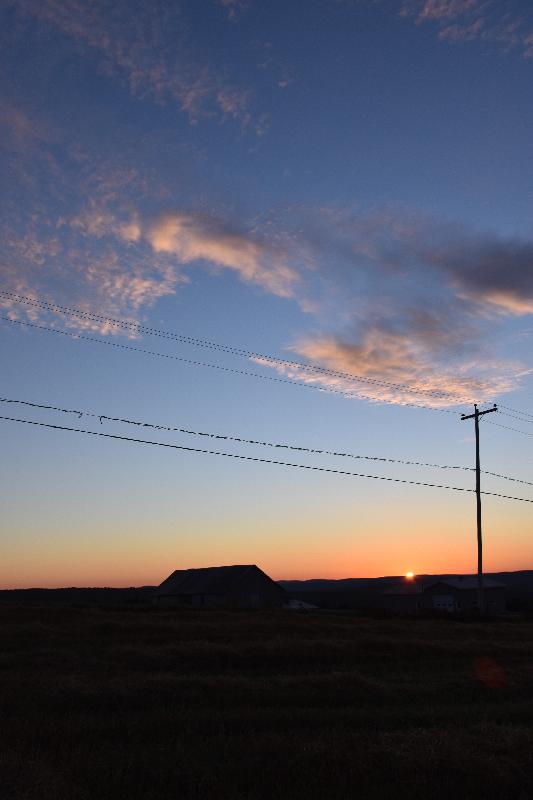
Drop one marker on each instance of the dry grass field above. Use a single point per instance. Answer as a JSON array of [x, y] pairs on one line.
[[135, 703]]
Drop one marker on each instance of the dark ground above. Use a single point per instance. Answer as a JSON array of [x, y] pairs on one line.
[[142, 703]]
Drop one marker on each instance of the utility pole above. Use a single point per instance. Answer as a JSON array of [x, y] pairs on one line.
[[480, 594]]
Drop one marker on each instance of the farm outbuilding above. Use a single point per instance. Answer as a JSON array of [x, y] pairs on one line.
[[454, 595], [238, 586]]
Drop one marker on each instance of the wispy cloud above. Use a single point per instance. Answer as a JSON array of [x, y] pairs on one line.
[[95, 245], [22, 129], [395, 296], [99, 222], [194, 237], [91, 275], [398, 298], [234, 8], [408, 299], [400, 368], [79, 231], [487, 269], [133, 286], [83, 258], [147, 46], [443, 9], [508, 24]]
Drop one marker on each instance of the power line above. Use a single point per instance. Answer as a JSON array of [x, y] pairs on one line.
[[508, 428], [259, 460], [46, 407], [520, 418], [517, 411], [232, 370], [238, 439], [504, 477], [242, 352], [173, 357], [137, 327], [241, 440]]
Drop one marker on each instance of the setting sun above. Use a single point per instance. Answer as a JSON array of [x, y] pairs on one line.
[[409, 575]]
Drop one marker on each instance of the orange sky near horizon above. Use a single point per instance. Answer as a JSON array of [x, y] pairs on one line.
[[120, 557]]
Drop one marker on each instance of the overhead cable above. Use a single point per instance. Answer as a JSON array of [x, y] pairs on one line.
[[260, 460], [241, 440], [237, 351], [508, 428], [191, 362], [238, 439], [520, 418], [517, 411]]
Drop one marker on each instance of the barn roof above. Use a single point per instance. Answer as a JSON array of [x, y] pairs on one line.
[[470, 582], [209, 580]]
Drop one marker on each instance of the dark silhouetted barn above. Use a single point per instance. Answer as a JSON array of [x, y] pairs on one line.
[[239, 586]]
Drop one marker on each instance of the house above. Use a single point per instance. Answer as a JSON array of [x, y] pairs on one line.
[[454, 595], [239, 586]]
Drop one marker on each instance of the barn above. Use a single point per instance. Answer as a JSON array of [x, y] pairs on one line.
[[454, 595], [237, 586]]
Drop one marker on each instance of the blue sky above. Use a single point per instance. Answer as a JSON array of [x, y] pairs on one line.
[[347, 185]]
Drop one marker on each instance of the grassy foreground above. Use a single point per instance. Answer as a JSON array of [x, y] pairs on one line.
[[141, 703]]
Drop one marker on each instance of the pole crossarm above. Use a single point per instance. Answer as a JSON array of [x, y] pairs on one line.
[[479, 413]]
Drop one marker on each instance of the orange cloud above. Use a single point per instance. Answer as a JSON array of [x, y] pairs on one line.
[[191, 237], [510, 302], [396, 368]]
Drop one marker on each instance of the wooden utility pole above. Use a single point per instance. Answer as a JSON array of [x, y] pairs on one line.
[[480, 593]]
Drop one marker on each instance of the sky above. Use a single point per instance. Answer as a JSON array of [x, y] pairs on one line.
[[341, 183]]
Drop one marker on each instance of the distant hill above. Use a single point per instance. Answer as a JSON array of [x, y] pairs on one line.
[[104, 595], [364, 592]]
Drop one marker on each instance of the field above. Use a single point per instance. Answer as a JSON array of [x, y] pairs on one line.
[[141, 703]]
